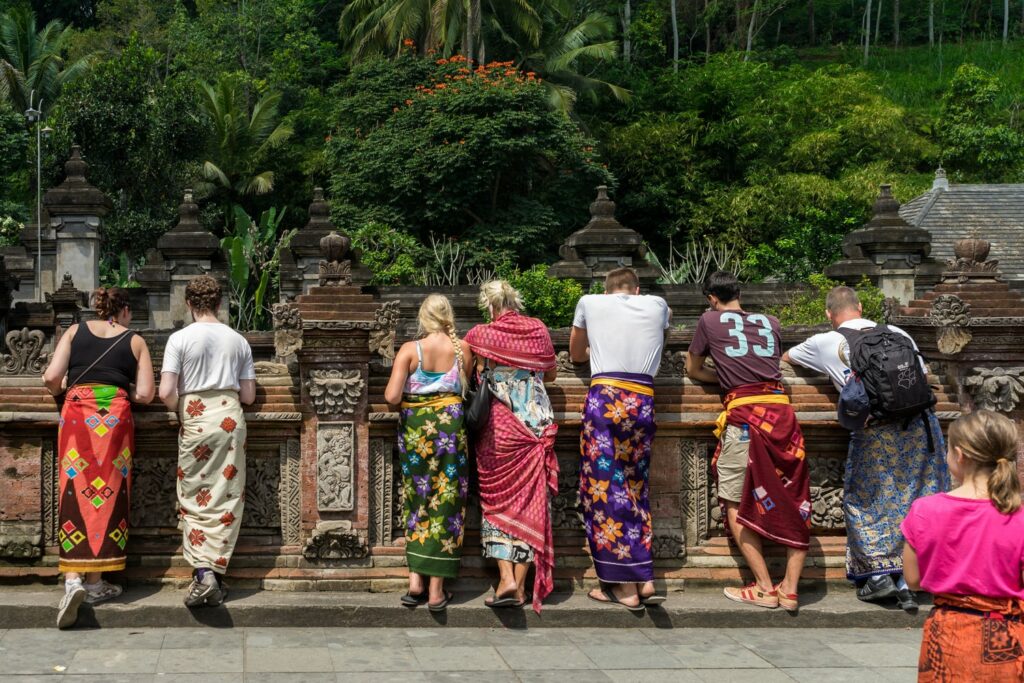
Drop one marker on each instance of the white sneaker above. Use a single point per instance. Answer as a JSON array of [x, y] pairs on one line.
[[67, 611], [106, 591]]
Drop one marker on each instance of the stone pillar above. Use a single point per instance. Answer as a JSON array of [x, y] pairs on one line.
[[888, 250], [156, 279], [332, 333], [76, 210], [601, 246], [188, 250]]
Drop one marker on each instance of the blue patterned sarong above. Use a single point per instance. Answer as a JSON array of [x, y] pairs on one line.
[[888, 468]]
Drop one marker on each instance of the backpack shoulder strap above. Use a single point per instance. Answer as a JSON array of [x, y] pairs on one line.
[[850, 334]]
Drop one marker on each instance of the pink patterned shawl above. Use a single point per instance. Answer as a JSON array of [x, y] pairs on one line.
[[517, 470], [515, 340]]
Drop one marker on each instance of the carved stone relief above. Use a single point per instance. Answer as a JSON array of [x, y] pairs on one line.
[[382, 338], [26, 355], [335, 392], [287, 329], [827, 493], [669, 546], [335, 540], [268, 369], [673, 364], [702, 515], [953, 315], [996, 388], [335, 461], [382, 489], [565, 507], [155, 502], [50, 492], [289, 496]]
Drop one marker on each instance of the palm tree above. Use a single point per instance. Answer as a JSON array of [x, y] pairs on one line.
[[31, 61], [445, 26], [239, 139], [567, 41]]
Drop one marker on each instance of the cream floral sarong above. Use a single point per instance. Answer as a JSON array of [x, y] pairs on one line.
[[211, 476]]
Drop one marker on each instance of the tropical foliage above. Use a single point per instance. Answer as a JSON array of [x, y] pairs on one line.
[[462, 139]]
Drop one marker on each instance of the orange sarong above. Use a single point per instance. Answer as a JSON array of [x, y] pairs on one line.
[[973, 638]]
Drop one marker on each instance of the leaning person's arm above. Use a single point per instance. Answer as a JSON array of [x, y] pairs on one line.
[[911, 570], [57, 370], [551, 375], [145, 387], [579, 345], [169, 390], [697, 370], [246, 391]]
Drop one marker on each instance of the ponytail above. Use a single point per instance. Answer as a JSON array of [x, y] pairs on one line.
[[1004, 486], [990, 440]]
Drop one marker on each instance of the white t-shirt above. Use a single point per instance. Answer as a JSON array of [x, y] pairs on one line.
[[829, 352], [626, 331], [207, 357]]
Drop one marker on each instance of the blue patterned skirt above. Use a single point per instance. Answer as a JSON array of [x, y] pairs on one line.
[[888, 468]]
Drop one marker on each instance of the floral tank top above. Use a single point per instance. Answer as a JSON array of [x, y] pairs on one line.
[[421, 382]]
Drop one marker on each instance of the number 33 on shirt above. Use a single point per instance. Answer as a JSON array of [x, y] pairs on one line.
[[742, 346]]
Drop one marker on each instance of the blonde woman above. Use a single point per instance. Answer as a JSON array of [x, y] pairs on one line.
[[515, 454], [428, 381]]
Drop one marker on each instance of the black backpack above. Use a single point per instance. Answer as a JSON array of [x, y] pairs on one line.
[[890, 368]]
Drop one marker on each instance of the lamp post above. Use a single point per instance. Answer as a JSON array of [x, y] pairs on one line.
[[34, 114]]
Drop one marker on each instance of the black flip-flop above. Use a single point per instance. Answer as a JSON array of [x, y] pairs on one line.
[[610, 599], [652, 600], [410, 600], [508, 601], [443, 605]]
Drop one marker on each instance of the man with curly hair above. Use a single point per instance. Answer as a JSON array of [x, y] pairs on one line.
[[208, 373]]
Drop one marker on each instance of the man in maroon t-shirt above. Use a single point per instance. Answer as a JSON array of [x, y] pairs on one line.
[[746, 349]]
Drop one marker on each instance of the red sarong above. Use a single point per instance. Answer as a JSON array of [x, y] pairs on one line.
[[515, 340], [517, 470], [960, 645], [776, 491], [95, 441]]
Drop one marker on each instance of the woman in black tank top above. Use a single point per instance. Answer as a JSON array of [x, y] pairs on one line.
[[103, 366]]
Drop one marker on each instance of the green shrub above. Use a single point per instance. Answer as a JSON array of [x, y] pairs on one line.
[[394, 257], [808, 307], [553, 300]]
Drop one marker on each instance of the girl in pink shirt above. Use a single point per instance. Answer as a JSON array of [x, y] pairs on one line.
[[967, 548]]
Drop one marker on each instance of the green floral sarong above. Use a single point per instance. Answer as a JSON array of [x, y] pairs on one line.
[[432, 448]]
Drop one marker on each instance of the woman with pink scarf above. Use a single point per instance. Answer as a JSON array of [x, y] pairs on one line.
[[515, 454]]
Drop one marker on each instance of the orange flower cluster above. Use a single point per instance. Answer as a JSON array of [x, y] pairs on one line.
[[495, 74]]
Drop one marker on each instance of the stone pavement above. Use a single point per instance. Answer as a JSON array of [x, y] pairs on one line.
[[312, 655]]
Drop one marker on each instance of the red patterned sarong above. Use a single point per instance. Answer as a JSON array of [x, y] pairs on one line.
[[517, 470], [776, 491], [96, 442], [973, 638]]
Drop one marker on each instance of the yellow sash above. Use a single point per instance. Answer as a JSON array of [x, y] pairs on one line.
[[439, 402], [624, 384], [723, 416]]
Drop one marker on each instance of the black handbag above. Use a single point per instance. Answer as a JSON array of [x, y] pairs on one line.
[[478, 403]]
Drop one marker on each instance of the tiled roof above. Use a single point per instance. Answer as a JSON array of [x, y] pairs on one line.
[[994, 212]]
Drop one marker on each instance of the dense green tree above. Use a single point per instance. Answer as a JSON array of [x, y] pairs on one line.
[[14, 144], [32, 66], [978, 141], [476, 155], [140, 140]]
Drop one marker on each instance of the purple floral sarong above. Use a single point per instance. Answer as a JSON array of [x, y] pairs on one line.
[[615, 451]]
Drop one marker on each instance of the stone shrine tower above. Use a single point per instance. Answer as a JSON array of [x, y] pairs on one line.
[[601, 246], [888, 250]]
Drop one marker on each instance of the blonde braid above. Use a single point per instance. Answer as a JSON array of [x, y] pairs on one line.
[[458, 356]]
